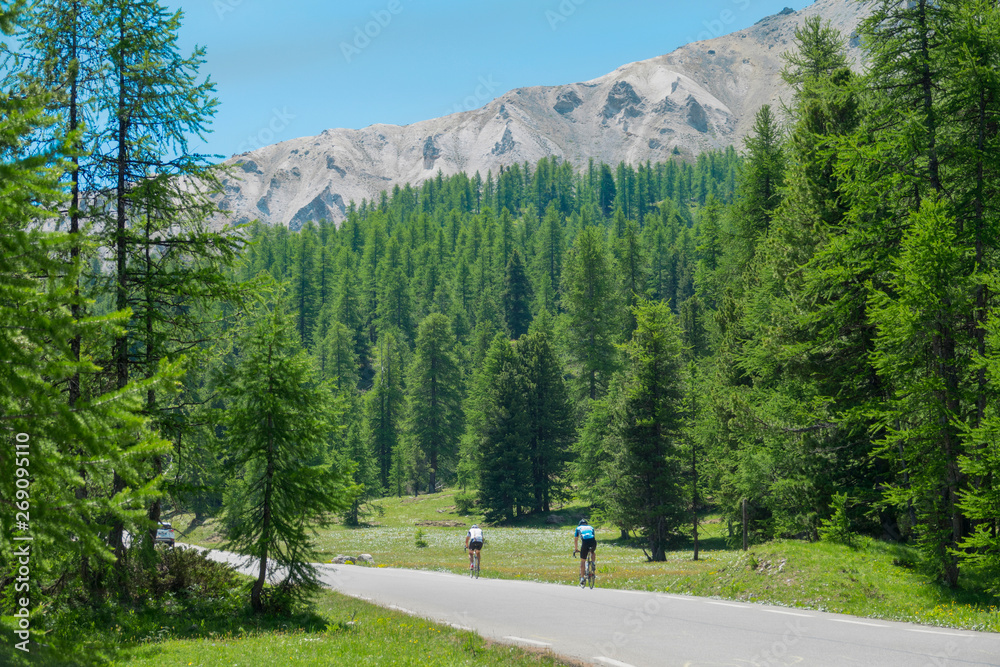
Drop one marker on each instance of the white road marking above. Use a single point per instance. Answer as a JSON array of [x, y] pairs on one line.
[[787, 613], [461, 627], [611, 661], [844, 620], [727, 604], [527, 641], [686, 598], [938, 632]]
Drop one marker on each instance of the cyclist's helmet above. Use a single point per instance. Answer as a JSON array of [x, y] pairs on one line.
[[475, 526], [583, 522]]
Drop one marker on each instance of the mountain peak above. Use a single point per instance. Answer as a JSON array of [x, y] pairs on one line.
[[701, 96]]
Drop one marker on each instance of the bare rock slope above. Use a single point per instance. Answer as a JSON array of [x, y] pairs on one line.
[[701, 96]]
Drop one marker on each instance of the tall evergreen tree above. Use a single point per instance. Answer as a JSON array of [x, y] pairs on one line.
[[759, 191], [548, 417], [385, 405], [588, 297], [516, 297], [434, 396], [278, 420], [154, 215], [51, 437], [647, 425], [500, 434]]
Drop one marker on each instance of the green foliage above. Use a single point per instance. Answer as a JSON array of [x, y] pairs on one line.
[[420, 539], [646, 430], [435, 391], [278, 422], [838, 527], [64, 446], [499, 433], [465, 502], [587, 290]]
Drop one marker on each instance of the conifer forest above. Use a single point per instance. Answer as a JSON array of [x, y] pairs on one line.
[[803, 328]]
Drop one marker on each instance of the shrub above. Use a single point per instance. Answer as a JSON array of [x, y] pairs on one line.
[[421, 539], [838, 527], [465, 502]]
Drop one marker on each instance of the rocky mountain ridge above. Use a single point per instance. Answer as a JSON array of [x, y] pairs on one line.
[[701, 96]]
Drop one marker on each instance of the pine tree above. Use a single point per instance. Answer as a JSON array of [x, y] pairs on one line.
[[588, 299], [279, 418], [647, 423], [365, 475], [434, 396], [385, 405], [337, 361], [516, 297], [759, 191], [305, 288], [51, 437], [164, 258], [548, 258], [918, 319], [499, 434], [547, 416], [630, 267]]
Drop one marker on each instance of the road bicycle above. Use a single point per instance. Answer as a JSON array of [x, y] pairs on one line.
[[591, 569], [474, 570]]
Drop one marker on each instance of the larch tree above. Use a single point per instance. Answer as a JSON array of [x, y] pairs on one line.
[[434, 395], [647, 424], [547, 414], [499, 433], [516, 297], [51, 438], [280, 418], [589, 300]]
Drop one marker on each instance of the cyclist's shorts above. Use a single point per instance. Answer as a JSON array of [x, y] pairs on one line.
[[586, 546], [475, 546]]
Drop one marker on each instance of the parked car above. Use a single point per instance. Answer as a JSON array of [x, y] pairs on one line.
[[164, 534]]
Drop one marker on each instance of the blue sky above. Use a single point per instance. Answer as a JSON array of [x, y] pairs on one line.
[[294, 68]]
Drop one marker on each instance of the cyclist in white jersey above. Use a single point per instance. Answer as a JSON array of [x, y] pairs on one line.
[[474, 543]]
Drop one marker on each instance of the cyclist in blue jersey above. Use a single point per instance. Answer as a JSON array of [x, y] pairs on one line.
[[585, 532]]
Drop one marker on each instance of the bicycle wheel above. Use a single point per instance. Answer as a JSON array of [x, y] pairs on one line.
[[475, 566], [591, 574]]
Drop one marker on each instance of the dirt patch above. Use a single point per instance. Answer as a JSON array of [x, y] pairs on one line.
[[441, 524]]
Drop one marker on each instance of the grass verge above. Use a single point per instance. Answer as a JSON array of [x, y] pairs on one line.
[[337, 630]]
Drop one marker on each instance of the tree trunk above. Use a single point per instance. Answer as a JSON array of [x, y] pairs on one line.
[[694, 498], [121, 292], [746, 544], [265, 530]]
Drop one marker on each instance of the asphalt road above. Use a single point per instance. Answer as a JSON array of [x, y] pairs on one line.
[[614, 627]]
